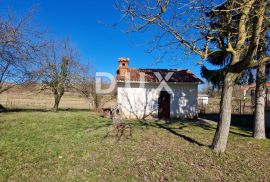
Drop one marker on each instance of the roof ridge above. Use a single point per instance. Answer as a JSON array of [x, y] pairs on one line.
[[179, 75], [163, 69]]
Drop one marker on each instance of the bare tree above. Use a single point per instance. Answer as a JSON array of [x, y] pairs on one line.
[[58, 68], [259, 126], [223, 58], [20, 44], [243, 56], [186, 24], [86, 86], [260, 94]]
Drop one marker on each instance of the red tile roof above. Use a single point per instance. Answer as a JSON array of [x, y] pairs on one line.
[[253, 86], [178, 75]]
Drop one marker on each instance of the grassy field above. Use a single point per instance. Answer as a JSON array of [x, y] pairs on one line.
[[70, 146], [42, 100], [45, 100]]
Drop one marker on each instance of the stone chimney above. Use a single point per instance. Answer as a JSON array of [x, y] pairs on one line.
[[123, 66]]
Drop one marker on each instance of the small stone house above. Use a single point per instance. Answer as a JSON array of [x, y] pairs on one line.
[[156, 93]]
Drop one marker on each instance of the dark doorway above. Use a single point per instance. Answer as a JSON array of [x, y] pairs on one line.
[[164, 105]]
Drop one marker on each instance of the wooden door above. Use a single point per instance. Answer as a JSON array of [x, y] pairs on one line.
[[164, 105]]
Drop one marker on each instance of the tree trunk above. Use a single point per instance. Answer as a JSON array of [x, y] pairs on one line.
[[57, 99], [96, 102], [223, 128], [259, 127]]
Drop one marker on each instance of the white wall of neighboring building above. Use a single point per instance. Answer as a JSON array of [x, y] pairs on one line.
[[203, 99], [138, 102]]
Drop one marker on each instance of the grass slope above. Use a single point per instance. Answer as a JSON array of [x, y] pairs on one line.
[[70, 146]]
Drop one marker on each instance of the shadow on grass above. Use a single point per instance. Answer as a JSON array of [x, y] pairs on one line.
[[208, 126], [186, 123], [242, 122], [166, 126], [191, 140]]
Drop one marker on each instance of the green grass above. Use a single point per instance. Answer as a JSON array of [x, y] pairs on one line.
[[70, 146]]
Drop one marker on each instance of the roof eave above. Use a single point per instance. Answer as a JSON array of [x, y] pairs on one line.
[[123, 81]]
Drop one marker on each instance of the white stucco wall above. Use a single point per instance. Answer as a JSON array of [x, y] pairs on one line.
[[203, 100], [138, 102]]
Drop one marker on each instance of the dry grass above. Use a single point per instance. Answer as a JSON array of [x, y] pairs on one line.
[[41, 100], [70, 146], [45, 100]]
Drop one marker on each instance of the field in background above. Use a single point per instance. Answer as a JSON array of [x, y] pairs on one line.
[[41, 100], [20, 97], [70, 146]]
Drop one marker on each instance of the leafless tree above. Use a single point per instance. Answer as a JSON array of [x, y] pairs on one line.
[[20, 44], [259, 126], [86, 86], [260, 96], [186, 24], [58, 69]]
